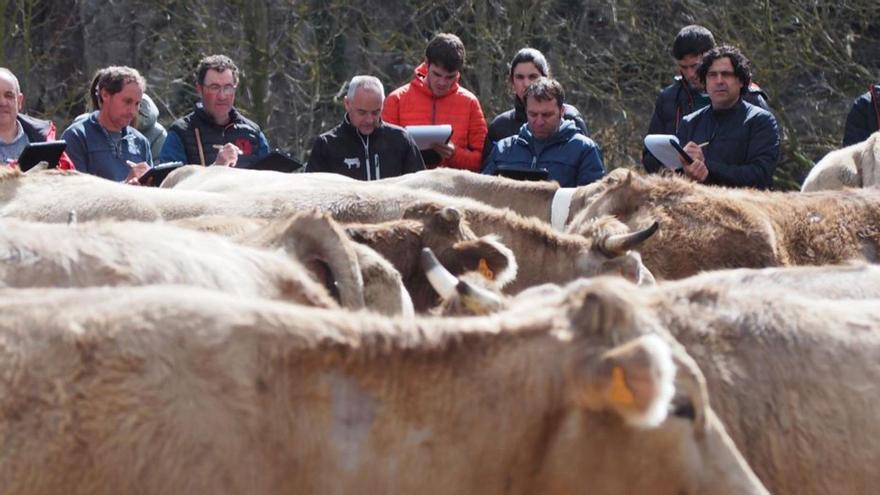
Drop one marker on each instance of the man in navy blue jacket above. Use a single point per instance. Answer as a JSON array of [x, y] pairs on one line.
[[547, 141], [687, 93], [864, 117], [731, 142]]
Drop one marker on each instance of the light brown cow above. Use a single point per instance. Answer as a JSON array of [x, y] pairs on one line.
[[857, 165], [167, 390], [544, 255], [706, 228], [136, 253], [796, 372]]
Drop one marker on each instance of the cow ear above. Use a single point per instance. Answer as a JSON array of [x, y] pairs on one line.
[[486, 255], [630, 267], [635, 380]]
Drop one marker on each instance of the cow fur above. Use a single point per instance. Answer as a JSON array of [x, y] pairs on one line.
[[857, 165]]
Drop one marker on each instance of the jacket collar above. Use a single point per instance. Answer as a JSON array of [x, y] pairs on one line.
[[418, 82]]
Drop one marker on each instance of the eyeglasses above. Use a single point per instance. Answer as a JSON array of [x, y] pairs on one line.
[[216, 88]]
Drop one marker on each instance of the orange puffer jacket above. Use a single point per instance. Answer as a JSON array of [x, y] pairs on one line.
[[414, 104]]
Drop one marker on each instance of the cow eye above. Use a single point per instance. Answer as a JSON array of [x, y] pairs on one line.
[[684, 409]]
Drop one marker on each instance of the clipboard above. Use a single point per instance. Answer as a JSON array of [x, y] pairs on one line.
[[426, 136], [662, 148], [34, 153]]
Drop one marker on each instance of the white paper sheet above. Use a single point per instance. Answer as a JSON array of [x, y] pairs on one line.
[[427, 135], [658, 145]]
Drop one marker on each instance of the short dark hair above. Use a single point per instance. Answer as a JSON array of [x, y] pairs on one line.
[[545, 89], [692, 40], [447, 51], [533, 56], [113, 79], [218, 63], [741, 65]]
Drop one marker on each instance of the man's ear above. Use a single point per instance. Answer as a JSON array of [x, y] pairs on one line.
[[20, 101], [636, 380]]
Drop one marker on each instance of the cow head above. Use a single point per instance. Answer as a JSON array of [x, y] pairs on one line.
[[613, 250], [637, 417]]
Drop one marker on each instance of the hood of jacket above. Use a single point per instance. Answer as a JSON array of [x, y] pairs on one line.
[[148, 113]]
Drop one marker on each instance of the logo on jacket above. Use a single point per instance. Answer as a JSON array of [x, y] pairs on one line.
[[245, 146], [352, 162]]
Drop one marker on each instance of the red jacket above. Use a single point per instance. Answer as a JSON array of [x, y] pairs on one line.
[[414, 104]]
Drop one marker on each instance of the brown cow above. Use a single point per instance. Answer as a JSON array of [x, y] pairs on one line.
[[168, 390], [706, 228], [796, 374], [136, 253], [544, 255]]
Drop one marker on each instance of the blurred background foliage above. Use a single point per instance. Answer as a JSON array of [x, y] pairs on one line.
[[612, 57]]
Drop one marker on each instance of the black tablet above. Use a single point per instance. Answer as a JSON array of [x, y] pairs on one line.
[[157, 174], [278, 161], [522, 173], [34, 153]]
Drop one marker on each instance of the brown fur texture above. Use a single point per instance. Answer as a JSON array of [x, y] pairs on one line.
[[857, 165], [206, 393], [706, 228], [136, 253]]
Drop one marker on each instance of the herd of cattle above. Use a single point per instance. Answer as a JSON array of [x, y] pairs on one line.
[[239, 331]]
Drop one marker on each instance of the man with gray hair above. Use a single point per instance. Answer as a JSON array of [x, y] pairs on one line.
[[17, 130], [364, 147]]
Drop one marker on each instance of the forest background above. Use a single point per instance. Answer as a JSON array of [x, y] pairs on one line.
[[612, 57]]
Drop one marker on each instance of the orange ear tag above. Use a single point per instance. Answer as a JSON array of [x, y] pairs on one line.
[[484, 269], [618, 393]]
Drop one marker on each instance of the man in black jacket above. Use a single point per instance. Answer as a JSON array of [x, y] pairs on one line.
[[215, 133], [864, 117], [687, 93], [363, 146], [730, 142]]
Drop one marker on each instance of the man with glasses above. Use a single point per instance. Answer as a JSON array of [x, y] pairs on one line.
[[730, 142], [215, 133]]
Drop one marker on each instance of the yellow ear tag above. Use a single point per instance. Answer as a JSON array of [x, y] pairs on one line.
[[618, 393], [484, 269]]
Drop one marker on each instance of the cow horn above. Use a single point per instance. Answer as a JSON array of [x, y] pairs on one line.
[[617, 244], [71, 217], [478, 300], [450, 214], [440, 278]]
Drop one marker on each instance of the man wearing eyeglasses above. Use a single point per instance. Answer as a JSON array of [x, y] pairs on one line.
[[730, 142], [215, 133]]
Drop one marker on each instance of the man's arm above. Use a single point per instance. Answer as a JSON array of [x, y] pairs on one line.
[[491, 165], [651, 164], [76, 149], [857, 128], [591, 167], [412, 157], [317, 160], [391, 109], [471, 158], [761, 157], [172, 149], [263, 148]]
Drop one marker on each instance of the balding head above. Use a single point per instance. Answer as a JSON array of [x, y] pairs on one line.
[[11, 100]]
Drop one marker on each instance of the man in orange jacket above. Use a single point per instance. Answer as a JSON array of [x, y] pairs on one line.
[[434, 97]]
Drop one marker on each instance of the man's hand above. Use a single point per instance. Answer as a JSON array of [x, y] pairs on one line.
[[227, 154], [694, 151], [444, 150], [135, 172], [697, 170]]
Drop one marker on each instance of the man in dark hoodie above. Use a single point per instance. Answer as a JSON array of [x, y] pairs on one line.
[[363, 146], [687, 93], [863, 118], [548, 141]]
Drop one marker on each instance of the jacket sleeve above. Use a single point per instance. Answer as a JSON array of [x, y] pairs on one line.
[[472, 157], [76, 149], [857, 127], [391, 109], [412, 158], [317, 161], [591, 167], [172, 149], [761, 158], [651, 164]]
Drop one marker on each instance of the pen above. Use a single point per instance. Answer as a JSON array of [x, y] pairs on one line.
[[703, 144]]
